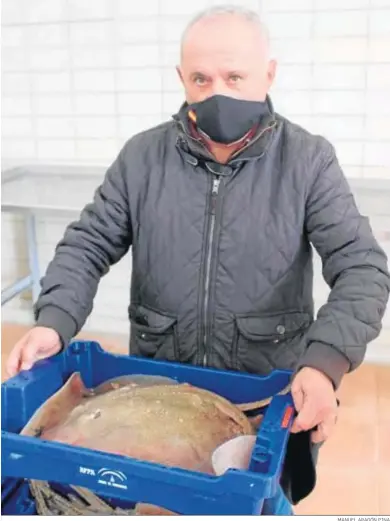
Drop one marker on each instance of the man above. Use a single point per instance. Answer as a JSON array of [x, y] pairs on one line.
[[221, 206]]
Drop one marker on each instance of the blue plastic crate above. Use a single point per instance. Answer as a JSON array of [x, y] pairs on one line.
[[186, 492]]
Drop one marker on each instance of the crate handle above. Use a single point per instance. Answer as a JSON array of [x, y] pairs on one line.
[[271, 444]]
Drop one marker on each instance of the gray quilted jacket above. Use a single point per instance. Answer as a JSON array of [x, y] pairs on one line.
[[222, 258]]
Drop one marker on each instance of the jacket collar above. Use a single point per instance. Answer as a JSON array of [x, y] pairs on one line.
[[253, 146]]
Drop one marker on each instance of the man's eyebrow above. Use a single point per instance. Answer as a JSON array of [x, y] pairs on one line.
[[227, 72], [199, 73], [235, 72]]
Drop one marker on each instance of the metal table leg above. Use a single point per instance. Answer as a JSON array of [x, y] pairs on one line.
[[33, 279], [10, 292], [33, 256]]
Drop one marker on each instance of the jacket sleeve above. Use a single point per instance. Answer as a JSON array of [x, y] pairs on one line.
[[98, 239], [354, 267]]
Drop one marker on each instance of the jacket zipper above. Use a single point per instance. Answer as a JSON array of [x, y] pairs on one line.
[[261, 134], [214, 196]]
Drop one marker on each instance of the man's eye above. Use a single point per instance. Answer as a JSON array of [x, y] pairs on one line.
[[235, 78], [199, 80]]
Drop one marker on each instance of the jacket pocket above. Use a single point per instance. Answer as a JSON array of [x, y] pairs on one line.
[[153, 334], [267, 342]]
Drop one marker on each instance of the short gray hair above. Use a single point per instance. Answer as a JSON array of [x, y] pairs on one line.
[[236, 10]]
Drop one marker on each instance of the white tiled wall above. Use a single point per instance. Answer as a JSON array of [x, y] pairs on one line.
[[81, 76]]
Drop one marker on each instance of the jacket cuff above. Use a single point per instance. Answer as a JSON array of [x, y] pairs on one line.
[[326, 359], [60, 321]]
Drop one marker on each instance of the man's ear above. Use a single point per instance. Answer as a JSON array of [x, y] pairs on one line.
[[178, 70], [271, 72]]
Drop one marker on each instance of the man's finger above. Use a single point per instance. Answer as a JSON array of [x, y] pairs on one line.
[[29, 356], [298, 397], [13, 361], [307, 417], [319, 435], [324, 429]]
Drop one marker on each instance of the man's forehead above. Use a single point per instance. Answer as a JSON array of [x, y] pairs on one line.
[[208, 59], [221, 63], [236, 40]]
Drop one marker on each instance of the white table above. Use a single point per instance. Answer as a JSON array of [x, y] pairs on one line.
[[44, 190]]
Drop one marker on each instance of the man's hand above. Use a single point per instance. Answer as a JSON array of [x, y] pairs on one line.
[[38, 343], [315, 400]]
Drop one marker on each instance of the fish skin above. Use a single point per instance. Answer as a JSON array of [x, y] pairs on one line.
[[164, 414], [53, 410]]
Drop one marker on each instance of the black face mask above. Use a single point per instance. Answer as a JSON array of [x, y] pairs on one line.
[[226, 120]]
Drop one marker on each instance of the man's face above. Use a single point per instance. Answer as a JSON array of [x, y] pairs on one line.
[[225, 55]]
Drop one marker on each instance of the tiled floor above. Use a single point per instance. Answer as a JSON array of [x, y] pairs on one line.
[[354, 467]]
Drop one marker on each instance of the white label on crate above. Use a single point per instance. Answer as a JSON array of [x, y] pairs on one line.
[[112, 478], [15, 455], [87, 471]]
